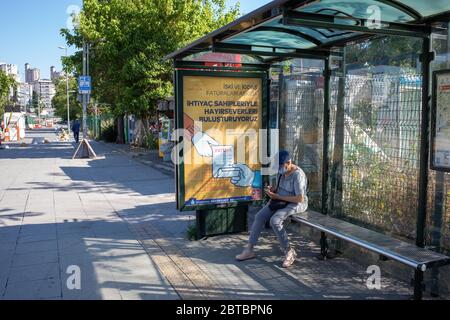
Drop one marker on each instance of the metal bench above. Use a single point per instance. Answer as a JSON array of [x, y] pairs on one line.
[[388, 248]]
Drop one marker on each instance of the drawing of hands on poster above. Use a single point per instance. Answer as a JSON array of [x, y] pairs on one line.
[[247, 177], [203, 143], [191, 128], [223, 167], [223, 162]]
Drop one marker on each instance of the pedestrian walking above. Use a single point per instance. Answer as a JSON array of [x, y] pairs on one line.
[[287, 198], [76, 130]]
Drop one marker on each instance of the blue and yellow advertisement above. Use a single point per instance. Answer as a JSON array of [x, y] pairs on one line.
[[222, 122]]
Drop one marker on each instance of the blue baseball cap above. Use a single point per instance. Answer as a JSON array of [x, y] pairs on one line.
[[284, 157]]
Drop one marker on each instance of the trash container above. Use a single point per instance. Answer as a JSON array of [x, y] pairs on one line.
[[222, 221]]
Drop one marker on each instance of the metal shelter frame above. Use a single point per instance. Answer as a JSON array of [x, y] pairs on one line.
[[319, 29]]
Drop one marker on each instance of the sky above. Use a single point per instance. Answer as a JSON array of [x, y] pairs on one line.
[[29, 31]]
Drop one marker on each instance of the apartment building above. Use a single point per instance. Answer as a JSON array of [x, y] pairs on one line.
[[45, 90], [32, 74]]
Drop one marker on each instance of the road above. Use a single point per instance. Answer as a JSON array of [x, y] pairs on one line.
[[115, 220]]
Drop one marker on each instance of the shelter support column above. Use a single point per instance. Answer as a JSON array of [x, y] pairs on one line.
[[336, 179], [426, 59], [326, 135]]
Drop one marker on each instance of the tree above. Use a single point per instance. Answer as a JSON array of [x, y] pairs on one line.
[[394, 51], [6, 84], [35, 101], [130, 39], [59, 101]]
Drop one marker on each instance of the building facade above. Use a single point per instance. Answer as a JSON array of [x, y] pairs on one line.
[[45, 90], [32, 74], [24, 95], [11, 70], [56, 75]]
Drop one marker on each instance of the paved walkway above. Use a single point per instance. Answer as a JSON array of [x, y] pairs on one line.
[[115, 218]]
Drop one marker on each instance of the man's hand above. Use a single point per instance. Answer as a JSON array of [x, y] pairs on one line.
[[272, 195]]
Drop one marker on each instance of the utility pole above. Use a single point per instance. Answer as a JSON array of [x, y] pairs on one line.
[[68, 98], [84, 149], [67, 92], [85, 96]]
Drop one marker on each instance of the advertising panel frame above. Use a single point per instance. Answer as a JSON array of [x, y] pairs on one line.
[[434, 124], [179, 124]]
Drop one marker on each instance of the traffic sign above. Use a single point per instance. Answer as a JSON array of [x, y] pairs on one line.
[[85, 84]]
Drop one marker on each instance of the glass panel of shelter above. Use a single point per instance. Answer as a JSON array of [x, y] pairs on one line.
[[209, 56], [271, 39], [361, 9], [374, 146], [427, 8], [322, 35], [301, 120]]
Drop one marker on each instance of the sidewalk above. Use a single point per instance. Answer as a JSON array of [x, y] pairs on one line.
[[56, 212], [115, 218], [144, 156]]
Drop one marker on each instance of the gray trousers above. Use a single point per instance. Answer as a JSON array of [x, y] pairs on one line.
[[276, 222]]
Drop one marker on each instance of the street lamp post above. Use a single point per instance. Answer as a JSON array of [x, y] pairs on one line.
[[67, 93]]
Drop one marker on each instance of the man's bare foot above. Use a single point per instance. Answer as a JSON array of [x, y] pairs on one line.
[[289, 261], [246, 255]]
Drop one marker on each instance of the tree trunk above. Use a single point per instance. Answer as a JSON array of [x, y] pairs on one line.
[[140, 134], [120, 131]]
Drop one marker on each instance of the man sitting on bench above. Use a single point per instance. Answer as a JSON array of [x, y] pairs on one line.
[[287, 199]]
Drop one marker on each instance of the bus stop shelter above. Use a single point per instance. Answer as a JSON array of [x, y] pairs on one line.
[[333, 129]]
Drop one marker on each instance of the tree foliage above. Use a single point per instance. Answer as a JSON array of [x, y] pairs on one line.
[[35, 101], [393, 51], [59, 101], [6, 83], [129, 40]]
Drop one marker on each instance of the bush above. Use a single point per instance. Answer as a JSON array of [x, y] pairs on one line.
[[151, 142], [109, 134], [191, 232]]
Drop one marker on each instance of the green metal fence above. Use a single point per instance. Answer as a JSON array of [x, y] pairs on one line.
[[301, 127], [98, 124], [381, 131], [373, 145]]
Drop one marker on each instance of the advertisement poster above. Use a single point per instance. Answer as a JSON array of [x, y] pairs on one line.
[[441, 134], [222, 117]]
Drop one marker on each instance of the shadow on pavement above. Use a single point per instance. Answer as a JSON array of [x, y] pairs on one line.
[[35, 259], [263, 278], [118, 261]]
